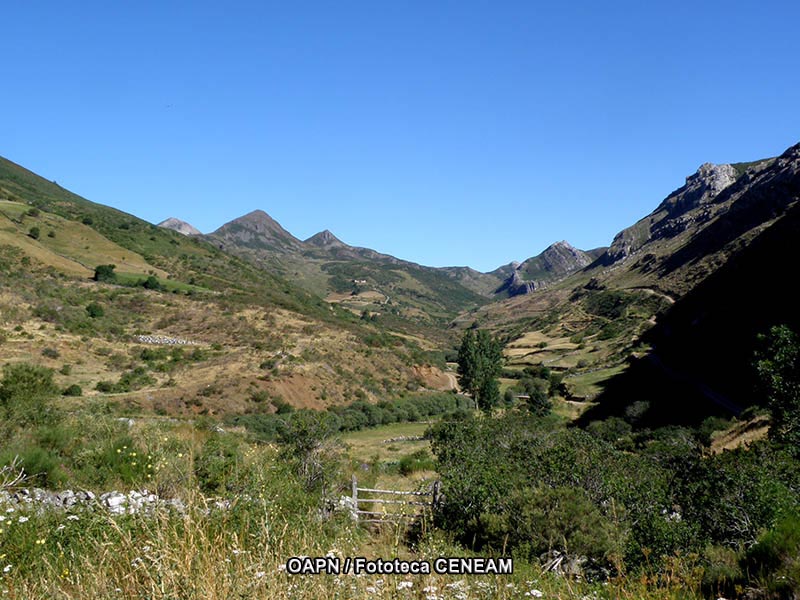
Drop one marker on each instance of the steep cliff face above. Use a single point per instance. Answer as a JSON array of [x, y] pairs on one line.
[[687, 206], [556, 262], [701, 362]]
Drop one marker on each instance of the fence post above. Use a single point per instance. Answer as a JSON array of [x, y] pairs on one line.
[[354, 483]]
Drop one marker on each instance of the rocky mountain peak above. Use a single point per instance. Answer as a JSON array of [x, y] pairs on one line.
[[556, 262], [179, 226], [257, 230], [257, 219], [324, 238], [701, 187]]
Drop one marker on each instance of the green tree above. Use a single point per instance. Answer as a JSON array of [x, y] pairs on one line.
[[34, 233], [778, 368], [105, 273], [480, 361]]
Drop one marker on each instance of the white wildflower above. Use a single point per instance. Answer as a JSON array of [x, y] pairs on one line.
[[260, 574], [73, 518], [7, 568], [23, 519], [404, 585]]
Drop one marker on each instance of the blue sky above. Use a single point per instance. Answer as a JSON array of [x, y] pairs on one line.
[[447, 133]]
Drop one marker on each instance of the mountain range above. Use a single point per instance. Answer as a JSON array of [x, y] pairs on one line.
[[692, 283]]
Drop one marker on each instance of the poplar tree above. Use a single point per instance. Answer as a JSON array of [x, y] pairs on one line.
[[480, 361]]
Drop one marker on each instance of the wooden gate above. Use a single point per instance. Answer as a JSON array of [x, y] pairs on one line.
[[412, 505]]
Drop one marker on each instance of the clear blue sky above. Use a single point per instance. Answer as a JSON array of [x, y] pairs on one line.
[[444, 132]]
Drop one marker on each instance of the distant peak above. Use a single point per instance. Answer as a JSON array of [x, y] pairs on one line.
[[324, 238], [179, 226], [255, 215]]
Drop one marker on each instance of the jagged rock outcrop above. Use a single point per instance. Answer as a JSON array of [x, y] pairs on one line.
[[682, 209], [557, 261], [179, 226], [701, 187]]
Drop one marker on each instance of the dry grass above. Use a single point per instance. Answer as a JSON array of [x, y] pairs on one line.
[[76, 248], [741, 433]]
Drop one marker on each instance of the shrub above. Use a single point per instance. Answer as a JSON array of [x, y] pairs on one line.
[[42, 468], [218, 465], [105, 273], [94, 310], [259, 396], [73, 390], [152, 283], [775, 559], [25, 391], [105, 387], [416, 461], [540, 520], [34, 233], [50, 353]]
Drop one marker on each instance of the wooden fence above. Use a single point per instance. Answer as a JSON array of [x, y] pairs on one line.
[[419, 502]]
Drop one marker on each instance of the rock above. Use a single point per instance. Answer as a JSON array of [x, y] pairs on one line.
[[556, 262], [180, 226], [114, 501], [676, 213], [346, 505]]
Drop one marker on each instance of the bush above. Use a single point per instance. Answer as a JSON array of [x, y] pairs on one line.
[[42, 468], [73, 390], [25, 392], [721, 571], [540, 520], [259, 396], [94, 310], [34, 233], [218, 466], [775, 559], [50, 353], [152, 283], [105, 273], [416, 461], [105, 387]]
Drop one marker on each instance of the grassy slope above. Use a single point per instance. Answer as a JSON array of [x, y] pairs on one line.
[[166, 251], [271, 336]]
